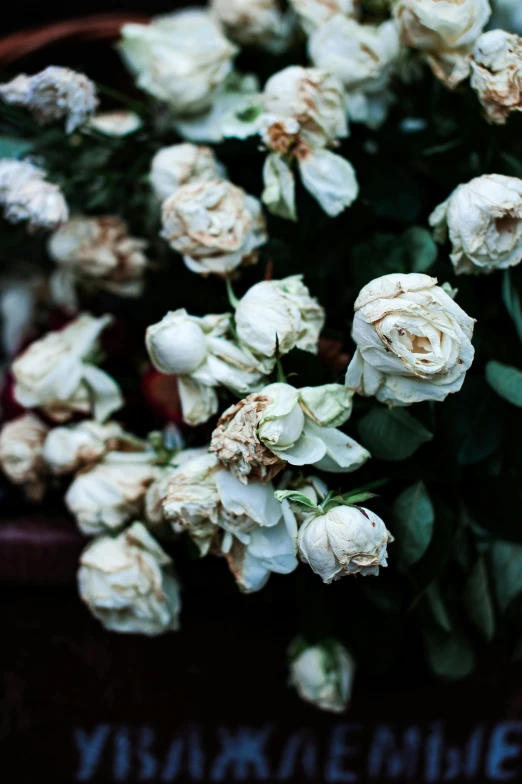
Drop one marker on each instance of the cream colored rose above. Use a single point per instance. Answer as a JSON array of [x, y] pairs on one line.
[[484, 221], [413, 341], [21, 454], [322, 674], [180, 164], [119, 123], [204, 354], [56, 373], [53, 94], [111, 493], [181, 58], [26, 195], [66, 449], [256, 437], [214, 225], [279, 314], [99, 253], [128, 583], [314, 13], [260, 23], [345, 540], [496, 74]]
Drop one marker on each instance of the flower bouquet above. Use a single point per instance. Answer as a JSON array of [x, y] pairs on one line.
[[264, 306]]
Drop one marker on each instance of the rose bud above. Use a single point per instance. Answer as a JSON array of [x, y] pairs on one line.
[[26, 195], [21, 454], [180, 164], [259, 23], [66, 449], [322, 674]]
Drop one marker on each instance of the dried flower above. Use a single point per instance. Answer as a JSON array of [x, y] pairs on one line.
[[181, 58], [128, 584], [484, 220], [97, 253], [496, 74], [118, 123], [56, 373], [21, 454], [214, 225], [180, 164], [322, 674], [66, 449], [256, 437], [279, 315], [413, 341], [53, 94], [314, 13], [255, 23], [345, 540], [26, 195]]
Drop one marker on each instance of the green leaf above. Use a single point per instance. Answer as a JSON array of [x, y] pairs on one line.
[[414, 518], [506, 381], [297, 498], [437, 606], [353, 498], [12, 147], [506, 562], [392, 433], [421, 248], [512, 302], [449, 656], [477, 600]]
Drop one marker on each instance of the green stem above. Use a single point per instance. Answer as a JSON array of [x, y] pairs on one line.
[[280, 376], [234, 302]]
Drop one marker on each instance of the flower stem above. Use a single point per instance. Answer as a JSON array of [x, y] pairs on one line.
[[234, 302]]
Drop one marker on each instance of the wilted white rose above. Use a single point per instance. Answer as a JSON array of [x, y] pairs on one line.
[[180, 164], [507, 15], [203, 353], [181, 58], [345, 540], [100, 253], [314, 13], [56, 373], [214, 225], [445, 31], [279, 315], [157, 491], [413, 341], [128, 583], [484, 221], [496, 74], [322, 674], [26, 195], [255, 23], [21, 454], [66, 449], [53, 94], [256, 437], [110, 493], [118, 123], [359, 55]]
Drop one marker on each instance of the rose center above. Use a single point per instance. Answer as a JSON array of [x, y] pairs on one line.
[[506, 225]]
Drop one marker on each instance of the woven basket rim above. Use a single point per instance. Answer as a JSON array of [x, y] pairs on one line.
[[94, 27]]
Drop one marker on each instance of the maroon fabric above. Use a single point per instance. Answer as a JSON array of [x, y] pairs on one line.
[[39, 549]]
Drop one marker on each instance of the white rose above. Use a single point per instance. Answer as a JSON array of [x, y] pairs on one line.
[[100, 253], [203, 355], [269, 550], [279, 314], [310, 100], [118, 123], [181, 58], [255, 23], [256, 437], [53, 94], [413, 341], [66, 449], [128, 584], [214, 225], [56, 374], [323, 675], [496, 74], [21, 454], [180, 164], [314, 13], [157, 491], [439, 25], [360, 56], [26, 195], [345, 540], [111, 493], [507, 14], [484, 220]]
